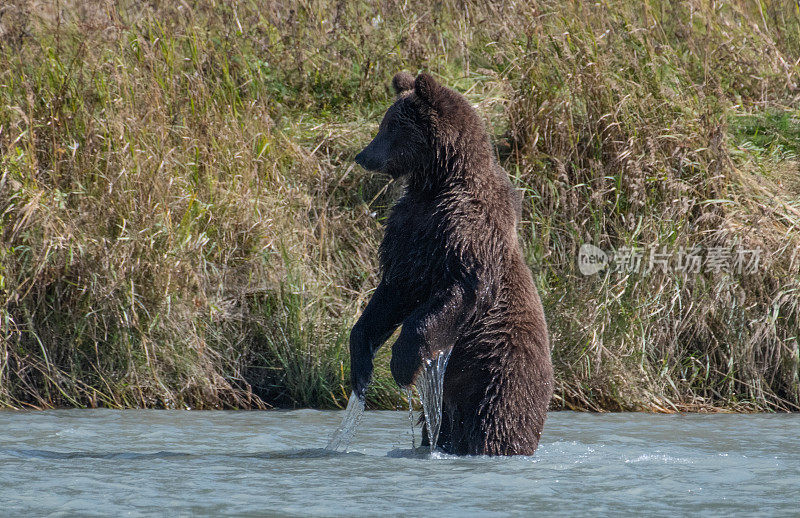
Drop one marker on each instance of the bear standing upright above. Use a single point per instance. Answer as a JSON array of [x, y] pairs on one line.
[[454, 275]]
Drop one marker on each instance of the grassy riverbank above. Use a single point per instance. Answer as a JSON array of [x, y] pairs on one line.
[[182, 225]]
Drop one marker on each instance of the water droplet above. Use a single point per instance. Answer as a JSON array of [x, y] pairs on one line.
[[409, 393]]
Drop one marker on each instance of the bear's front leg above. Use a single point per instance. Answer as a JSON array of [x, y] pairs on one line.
[[432, 327], [380, 318], [407, 354]]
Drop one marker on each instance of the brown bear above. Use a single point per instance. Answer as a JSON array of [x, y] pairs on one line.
[[453, 274]]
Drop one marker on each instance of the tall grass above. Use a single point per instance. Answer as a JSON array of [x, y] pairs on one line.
[[181, 223]]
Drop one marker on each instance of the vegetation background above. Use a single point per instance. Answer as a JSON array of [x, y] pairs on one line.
[[182, 225]]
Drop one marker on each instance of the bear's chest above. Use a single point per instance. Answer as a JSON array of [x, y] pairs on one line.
[[414, 246]]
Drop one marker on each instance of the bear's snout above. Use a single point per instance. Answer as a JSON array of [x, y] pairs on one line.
[[369, 160]]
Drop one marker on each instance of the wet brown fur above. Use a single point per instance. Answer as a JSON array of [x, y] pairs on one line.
[[454, 274]]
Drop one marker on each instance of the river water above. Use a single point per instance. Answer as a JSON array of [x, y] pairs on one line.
[[179, 463]]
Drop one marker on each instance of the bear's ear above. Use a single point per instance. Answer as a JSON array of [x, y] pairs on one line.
[[402, 82], [426, 88]]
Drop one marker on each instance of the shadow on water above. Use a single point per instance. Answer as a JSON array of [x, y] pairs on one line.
[[421, 452], [310, 453]]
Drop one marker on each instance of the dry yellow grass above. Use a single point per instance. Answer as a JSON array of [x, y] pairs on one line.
[[181, 224]]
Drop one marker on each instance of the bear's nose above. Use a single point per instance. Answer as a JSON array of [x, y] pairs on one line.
[[368, 160], [360, 159]]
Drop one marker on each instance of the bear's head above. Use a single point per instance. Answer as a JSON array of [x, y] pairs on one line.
[[427, 132]]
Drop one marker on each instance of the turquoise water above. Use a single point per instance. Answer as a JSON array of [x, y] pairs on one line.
[[179, 463]]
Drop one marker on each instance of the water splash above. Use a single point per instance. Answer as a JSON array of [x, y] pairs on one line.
[[344, 433], [429, 385], [409, 394]]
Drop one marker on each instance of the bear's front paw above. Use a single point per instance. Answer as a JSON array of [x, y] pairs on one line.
[[406, 364], [360, 376]]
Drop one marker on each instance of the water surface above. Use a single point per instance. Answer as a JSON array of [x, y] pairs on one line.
[[151, 462]]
